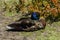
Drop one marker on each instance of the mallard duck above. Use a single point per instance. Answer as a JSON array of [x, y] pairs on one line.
[[27, 24]]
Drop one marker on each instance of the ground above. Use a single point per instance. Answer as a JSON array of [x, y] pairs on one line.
[[51, 32]]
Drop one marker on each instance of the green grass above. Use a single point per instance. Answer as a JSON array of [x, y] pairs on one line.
[[9, 14]]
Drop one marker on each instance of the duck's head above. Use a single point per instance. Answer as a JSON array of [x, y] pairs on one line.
[[35, 16]]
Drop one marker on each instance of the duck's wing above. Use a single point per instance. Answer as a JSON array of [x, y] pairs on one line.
[[42, 20]]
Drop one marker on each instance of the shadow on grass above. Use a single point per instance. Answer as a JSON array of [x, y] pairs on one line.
[[52, 19], [13, 30]]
